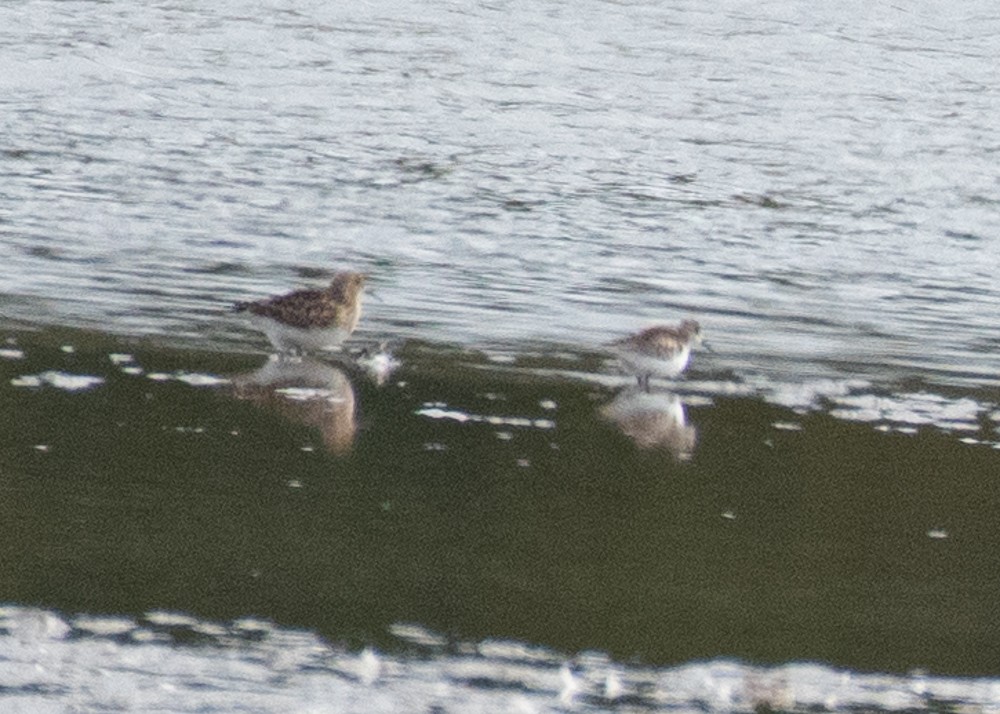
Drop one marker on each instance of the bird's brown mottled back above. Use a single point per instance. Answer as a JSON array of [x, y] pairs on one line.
[[661, 341], [339, 305]]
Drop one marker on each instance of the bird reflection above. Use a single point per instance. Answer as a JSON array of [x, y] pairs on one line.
[[653, 420], [306, 391]]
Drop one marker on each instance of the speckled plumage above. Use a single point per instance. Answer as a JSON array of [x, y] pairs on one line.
[[310, 319], [662, 350]]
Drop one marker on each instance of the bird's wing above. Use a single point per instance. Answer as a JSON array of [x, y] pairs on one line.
[[302, 308]]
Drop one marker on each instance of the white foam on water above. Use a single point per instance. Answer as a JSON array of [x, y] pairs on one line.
[[59, 380], [96, 662]]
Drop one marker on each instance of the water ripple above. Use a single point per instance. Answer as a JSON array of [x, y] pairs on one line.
[[517, 175]]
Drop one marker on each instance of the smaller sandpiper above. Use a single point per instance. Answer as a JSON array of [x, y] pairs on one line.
[[310, 320], [660, 351]]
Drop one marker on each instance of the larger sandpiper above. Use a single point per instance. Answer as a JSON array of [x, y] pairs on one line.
[[660, 351], [310, 320]]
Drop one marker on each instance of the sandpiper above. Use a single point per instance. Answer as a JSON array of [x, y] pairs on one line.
[[310, 320], [661, 351]]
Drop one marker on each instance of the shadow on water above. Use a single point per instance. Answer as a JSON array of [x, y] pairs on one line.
[[484, 502]]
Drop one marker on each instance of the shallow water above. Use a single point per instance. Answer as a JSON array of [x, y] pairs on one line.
[[673, 536], [524, 182]]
